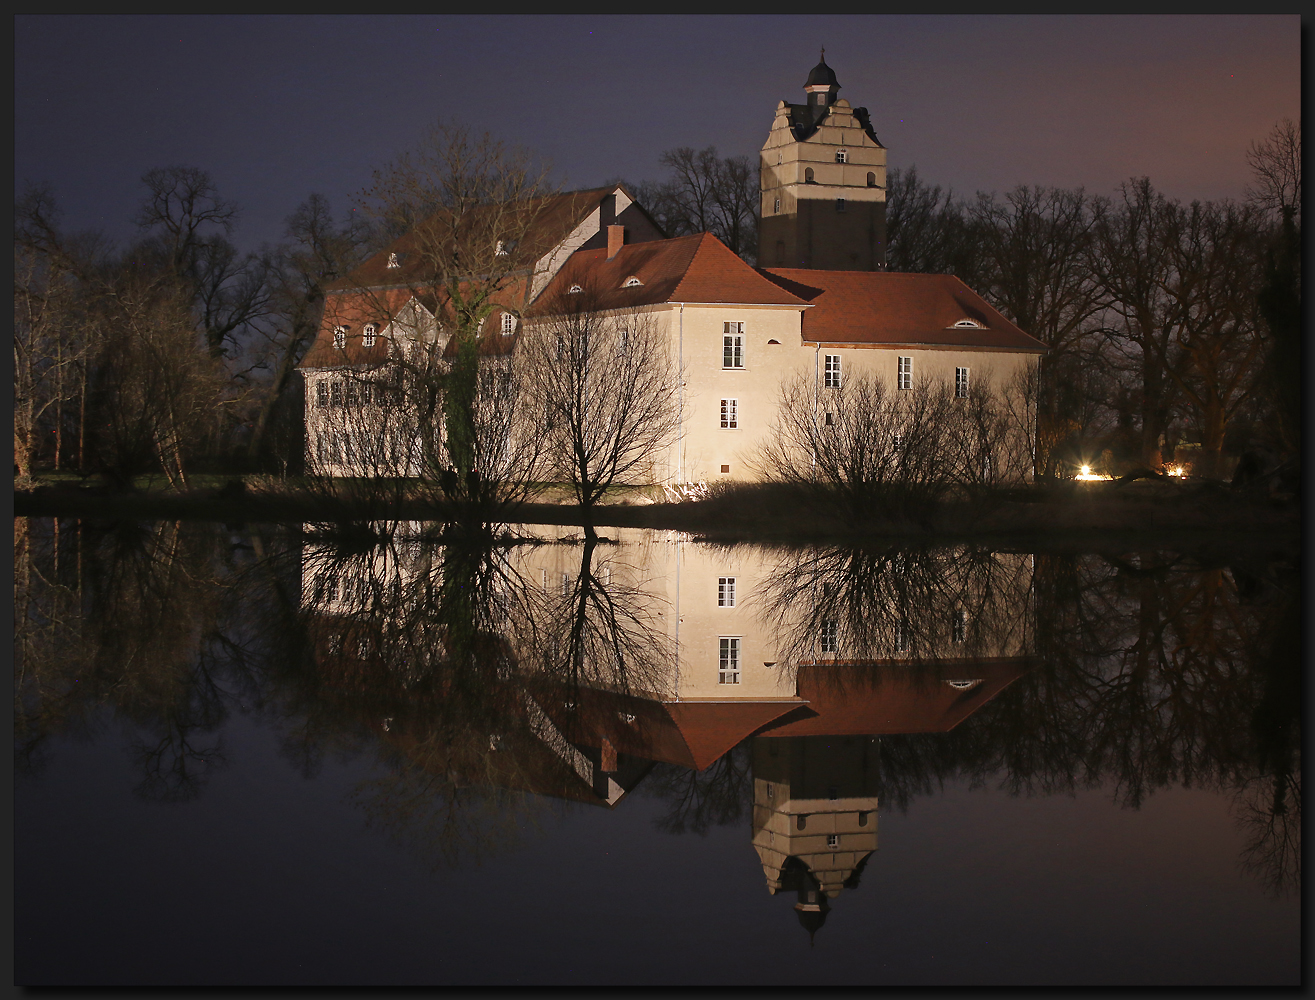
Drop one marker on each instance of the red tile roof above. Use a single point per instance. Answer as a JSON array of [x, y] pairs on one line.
[[353, 312], [883, 307], [874, 699], [553, 219], [697, 268]]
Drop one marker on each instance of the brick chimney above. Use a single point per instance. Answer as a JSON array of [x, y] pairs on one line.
[[616, 238]]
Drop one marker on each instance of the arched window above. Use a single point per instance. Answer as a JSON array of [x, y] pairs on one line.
[[872, 179], [340, 337], [368, 339], [508, 324], [575, 290], [968, 324], [808, 175], [632, 282]]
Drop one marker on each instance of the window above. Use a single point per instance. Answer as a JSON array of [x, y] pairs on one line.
[[959, 626], [830, 420], [730, 414], [728, 670], [508, 324], [632, 282], [905, 369], [808, 175], [777, 206], [897, 441], [335, 391], [623, 342], [965, 685], [370, 332], [732, 350], [961, 383], [833, 840], [575, 290], [968, 324], [501, 249], [726, 468], [321, 393], [566, 584], [725, 591], [830, 635], [832, 380], [393, 261], [842, 156], [339, 337], [840, 204], [872, 179]]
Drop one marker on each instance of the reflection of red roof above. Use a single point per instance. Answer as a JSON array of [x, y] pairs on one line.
[[697, 268], [883, 307], [692, 734], [875, 699]]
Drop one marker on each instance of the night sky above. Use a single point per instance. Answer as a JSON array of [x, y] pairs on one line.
[[279, 107]]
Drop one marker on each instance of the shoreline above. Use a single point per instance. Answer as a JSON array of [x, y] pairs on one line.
[[1082, 515]]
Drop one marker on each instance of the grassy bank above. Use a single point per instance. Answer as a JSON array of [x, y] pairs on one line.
[[1086, 515]]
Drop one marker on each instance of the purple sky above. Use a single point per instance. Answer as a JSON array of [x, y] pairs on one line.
[[278, 107]]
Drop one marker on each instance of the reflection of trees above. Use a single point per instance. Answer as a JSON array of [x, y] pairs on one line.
[[430, 642], [136, 618], [696, 800], [896, 604]]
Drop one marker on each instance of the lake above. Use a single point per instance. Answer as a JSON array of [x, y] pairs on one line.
[[421, 753]]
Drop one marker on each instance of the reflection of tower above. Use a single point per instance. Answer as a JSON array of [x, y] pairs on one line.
[[814, 816]]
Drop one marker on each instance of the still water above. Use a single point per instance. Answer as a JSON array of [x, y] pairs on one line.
[[412, 753]]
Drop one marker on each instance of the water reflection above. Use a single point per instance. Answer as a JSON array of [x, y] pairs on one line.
[[493, 671]]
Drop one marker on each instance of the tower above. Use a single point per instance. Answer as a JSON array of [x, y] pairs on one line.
[[823, 183]]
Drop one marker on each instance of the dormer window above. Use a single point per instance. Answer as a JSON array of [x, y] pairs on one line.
[[369, 334], [968, 324], [842, 156], [964, 685], [339, 337], [500, 249], [508, 324], [632, 282], [575, 290], [393, 261]]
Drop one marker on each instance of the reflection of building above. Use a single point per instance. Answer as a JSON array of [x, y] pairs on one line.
[[813, 724], [814, 816]]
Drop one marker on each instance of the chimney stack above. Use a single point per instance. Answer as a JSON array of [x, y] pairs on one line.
[[616, 238]]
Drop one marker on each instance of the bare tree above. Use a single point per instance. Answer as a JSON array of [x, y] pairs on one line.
[[707, 194], [606, 384], [1276, 164], [925, 228]]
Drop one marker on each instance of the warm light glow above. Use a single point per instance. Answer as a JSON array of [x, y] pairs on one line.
[[1086, 470], [1087, 476]]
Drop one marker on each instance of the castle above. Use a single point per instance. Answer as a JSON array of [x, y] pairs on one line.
[[820, 307]]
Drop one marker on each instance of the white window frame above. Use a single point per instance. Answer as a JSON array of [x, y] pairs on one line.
[[322, 393], [960, 383], [831, 371], [508, 324], [732, 346], [830, 635], [393, 261], [842, 156], [776, 209], [730, 414], [369, 334], [725, 591], [904, 372], [339, 338], [833, 841], [728, 659]]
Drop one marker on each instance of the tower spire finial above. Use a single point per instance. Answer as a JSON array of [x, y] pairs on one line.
[[823, 53]]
